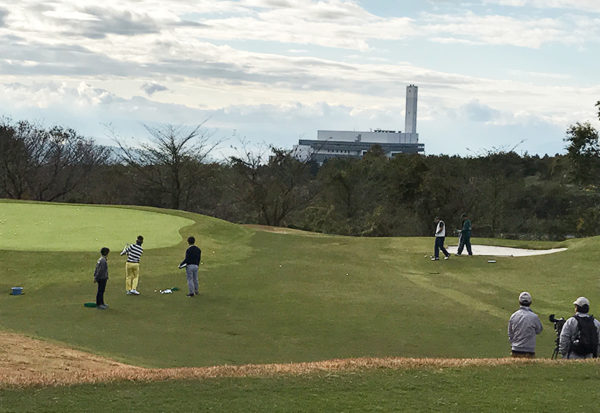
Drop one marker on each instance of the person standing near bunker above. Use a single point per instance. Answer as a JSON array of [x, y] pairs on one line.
[[191, 263], [465, 236], [132, 266], [101, 277], [440, 236], [523, 326]]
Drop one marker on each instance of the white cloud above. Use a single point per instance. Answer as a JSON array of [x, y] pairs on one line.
[[286, 65], [146, 32], [582, 5], [540, 75], [332, 23], [152, 87], [470, 28], [63, 13], [478, 112], [49, 94]]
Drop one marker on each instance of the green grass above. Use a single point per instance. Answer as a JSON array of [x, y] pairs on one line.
[[62, 227], [527, 388], [269, 297]]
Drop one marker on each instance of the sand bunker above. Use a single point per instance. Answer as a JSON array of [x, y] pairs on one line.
[[505, 251], [489, 250]]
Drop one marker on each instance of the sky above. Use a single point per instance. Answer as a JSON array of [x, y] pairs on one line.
[[492, 74]]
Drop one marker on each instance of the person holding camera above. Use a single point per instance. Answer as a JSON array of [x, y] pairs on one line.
[[580, 336], [523, 326]]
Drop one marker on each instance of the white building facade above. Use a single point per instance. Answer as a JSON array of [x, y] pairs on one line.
[[354, 144]]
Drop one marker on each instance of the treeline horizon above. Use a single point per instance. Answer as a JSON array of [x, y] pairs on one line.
[[505, 194]]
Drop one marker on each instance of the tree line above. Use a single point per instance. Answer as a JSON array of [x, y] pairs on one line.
[[506, 194]]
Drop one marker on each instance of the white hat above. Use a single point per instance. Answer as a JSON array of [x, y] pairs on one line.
[[581, 301], [525, 298]]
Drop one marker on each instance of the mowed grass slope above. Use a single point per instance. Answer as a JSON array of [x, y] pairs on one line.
[[269, 297], [562, 387]]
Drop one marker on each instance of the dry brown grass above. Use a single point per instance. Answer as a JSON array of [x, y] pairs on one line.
[[26, 362]]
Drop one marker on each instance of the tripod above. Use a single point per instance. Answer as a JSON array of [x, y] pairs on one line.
[[556, 351], [558, 325]]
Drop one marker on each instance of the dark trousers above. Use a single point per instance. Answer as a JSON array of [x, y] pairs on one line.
[[465, 241], [439, 245], [100, 293], [523, 354]]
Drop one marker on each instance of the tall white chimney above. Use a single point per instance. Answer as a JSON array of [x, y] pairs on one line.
[[410, 120]]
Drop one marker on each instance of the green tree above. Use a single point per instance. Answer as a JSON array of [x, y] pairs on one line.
[[583, 152]]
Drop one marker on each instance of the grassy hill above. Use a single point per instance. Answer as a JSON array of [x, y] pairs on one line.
[[273, 297], [277, 297]]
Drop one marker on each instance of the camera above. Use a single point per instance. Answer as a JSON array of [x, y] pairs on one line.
[[558, 326], [558, 323]]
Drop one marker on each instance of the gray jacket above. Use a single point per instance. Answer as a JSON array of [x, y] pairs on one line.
[[101, 272], [523, 326], [567, 335]]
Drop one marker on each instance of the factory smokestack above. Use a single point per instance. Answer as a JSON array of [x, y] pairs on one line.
[[410, 120]]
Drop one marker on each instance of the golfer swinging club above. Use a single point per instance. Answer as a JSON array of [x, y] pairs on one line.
[[132, 266]]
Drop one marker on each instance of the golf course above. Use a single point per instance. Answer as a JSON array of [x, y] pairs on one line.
[[285, 320]]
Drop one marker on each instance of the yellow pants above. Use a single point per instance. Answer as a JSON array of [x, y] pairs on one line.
[[132, 275]]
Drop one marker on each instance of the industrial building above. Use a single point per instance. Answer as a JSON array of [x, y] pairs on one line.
[[354, 144]]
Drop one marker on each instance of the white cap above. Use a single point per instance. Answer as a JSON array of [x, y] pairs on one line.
[[525, 298], [581, 301]]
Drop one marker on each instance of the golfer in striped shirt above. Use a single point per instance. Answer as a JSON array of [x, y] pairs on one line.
[[132, 266]]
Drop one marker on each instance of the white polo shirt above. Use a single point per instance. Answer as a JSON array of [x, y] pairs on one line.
[[441, 233]]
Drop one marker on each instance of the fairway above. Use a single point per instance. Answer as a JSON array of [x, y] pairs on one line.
[[269, 297], [273, 297], [63, 227]]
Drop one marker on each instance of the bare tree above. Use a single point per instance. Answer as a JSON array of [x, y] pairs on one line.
[[273, 187], [60, 161], [168, 164], [45, 165], [13, 162]]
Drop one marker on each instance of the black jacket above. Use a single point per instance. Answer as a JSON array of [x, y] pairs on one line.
[[192, 256]]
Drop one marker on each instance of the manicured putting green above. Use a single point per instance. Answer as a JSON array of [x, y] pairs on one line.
[[61, 227]]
